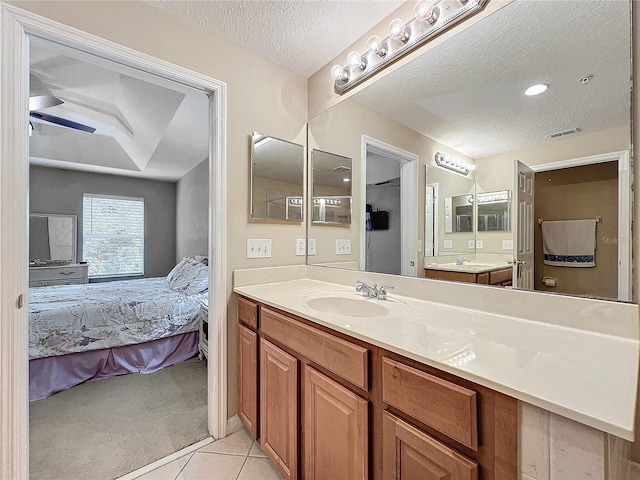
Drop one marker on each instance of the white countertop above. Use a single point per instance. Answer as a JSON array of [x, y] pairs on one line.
[[590, 377], [472, 267]]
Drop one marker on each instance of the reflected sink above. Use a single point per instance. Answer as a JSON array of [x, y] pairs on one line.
[[347, 306]]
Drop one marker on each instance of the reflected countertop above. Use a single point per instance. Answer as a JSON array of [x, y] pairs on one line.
[[588, 376]]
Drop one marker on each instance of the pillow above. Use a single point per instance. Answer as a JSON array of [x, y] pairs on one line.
[[191, 278], [174, 271]]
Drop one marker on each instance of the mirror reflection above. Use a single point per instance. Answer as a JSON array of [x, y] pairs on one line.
[[472, 105], [52, 239], [331, 188], [277, 172]]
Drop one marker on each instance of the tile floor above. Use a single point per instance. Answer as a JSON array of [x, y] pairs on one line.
[[236, 457]]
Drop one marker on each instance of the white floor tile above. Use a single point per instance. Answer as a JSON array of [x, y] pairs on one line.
[[258, 469], [212, 466], [167, 472], [238, 443], [256, 450]]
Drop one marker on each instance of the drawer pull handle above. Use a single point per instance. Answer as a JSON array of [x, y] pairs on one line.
[[66, 273]]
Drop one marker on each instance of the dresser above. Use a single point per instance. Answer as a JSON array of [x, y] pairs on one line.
[[74, 273]]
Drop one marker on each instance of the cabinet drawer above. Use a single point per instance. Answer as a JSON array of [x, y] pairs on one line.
[[248, 312], [75, 274], [500, 276], [411, 453], [444, 406], [343, 358]]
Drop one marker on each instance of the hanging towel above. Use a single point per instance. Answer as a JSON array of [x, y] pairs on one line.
[[569, 243]]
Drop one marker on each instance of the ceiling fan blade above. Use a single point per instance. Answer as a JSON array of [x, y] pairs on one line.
[[62, 121], [38, 102]]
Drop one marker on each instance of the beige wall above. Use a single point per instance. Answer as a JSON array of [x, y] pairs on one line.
[[579, 193], [339, 130], [276, 104]]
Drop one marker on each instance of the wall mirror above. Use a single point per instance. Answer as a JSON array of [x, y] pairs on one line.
[[52, 239], [277, 176], [331, 188], [472, 105]]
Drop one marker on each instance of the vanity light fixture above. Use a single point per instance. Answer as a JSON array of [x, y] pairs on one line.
[[536, 89], [454, 163], [432, 17]]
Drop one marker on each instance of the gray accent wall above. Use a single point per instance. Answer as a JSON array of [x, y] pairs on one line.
[[192, 212], [53, 190]]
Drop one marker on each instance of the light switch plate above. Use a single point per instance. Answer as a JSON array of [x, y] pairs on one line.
[[343, 246], [472, 244], [507, 244], [419, 245], [301, 243], [447, 244], [311, 246], [258, 247], [479, 244]]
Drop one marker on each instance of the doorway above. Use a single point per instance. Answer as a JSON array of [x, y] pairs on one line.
[[14, 91], [560, 189], [388, 189]]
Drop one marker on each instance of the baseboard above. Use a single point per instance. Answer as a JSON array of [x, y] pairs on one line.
[[234, 424], [168, 459]]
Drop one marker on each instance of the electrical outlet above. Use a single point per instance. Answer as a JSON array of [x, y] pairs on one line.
[[343, 246], [507, 244], [258, 247], [472, 244], [300, 246], [311, 246], [447, 244], [479, 244]]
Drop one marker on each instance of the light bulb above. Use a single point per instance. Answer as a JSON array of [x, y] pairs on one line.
[[375, 45], [536, 89], [338, 73], [355, 60], [398, 30], [426, 11]]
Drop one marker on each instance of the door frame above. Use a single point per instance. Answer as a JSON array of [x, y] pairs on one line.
[[434, 219], [17, 26], [408, 191], [625, 243]]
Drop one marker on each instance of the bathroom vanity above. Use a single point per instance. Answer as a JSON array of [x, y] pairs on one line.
[[338, 386], [486, 275]]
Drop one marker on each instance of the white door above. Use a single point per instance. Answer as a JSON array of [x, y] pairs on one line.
[[523, 251], [429, 208]]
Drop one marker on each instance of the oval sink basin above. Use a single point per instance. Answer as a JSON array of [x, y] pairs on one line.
[[352, 307]]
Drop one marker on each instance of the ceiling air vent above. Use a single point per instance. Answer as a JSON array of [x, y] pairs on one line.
[[564, 133]]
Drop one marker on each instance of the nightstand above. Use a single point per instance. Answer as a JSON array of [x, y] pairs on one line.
[[203, 344]]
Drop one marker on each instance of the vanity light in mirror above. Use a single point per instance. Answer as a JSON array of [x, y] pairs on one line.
[[331, 188], [277, 169], [494, 211]]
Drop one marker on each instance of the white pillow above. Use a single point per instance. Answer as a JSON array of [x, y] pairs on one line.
[[191, 278]]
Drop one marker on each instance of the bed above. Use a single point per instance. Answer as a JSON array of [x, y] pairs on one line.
[[97, 330]]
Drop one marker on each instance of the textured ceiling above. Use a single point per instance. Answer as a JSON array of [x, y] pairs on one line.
[[300, 35], [145, 127], [468, 92]]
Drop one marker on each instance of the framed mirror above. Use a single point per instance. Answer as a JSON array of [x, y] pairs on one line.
[[330, 188], [277, 179], [52, 239], [473, 106]]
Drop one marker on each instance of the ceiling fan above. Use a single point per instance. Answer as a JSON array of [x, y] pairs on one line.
[[47, 100]]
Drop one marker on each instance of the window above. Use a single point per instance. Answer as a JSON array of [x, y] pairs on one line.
[[113, 235]]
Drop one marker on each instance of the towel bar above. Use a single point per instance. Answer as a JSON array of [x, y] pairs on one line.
[[597, 218]]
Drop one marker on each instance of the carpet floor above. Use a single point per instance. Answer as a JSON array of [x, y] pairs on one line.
[[106, 428]]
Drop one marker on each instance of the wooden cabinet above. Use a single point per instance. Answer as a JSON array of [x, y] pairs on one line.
[[500, 277], [71, 274], [279, 408], [410, 454], [248, 379], [336, 426], [334, 407]]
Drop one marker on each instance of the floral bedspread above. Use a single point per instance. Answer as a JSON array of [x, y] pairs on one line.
[[76, 318]]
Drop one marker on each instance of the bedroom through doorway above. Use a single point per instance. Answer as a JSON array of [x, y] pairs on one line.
[[119, 201]]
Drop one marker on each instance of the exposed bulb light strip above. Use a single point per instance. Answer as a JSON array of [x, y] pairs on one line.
[[454, 163], [432, 17]]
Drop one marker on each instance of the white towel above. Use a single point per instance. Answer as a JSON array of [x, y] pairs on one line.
[[569, 243]]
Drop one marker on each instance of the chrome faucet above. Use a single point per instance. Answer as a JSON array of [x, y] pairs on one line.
[[460, 261], [373, 292]]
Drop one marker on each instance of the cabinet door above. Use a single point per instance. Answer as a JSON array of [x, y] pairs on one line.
[[335, 430], [248, 379], [279, 408], [410, 454]]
